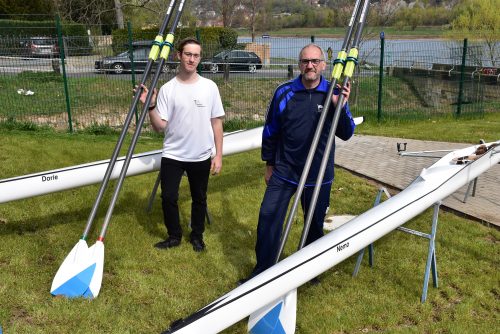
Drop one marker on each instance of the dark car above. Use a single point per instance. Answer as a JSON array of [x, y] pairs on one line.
[[41, 47], [121, 63], [239, 60]]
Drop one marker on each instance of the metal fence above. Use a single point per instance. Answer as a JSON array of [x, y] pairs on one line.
[[419, 79]]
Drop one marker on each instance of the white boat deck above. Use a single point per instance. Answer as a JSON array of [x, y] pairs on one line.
[[377, 158]]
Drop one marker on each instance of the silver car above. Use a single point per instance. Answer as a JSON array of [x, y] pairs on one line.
[[42, 47]]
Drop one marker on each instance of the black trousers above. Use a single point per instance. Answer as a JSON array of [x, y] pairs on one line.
[[197, 173]]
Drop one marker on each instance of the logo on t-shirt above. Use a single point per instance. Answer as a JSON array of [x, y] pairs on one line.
[[199, 104], [320, 108]]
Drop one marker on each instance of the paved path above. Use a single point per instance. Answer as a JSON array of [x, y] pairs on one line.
[[377, 158]]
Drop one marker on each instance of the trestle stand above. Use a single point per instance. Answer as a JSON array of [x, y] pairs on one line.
[[473, 185], [431, 255]]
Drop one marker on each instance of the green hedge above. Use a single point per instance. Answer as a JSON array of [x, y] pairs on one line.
[[213, 39], [17, 28], [13, 32], [39, 28]]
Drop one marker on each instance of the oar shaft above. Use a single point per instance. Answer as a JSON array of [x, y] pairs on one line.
[[126, 124], [337, 71], [164, 55], [348, 71]]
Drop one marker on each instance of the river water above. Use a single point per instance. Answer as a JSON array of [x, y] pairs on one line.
[[415, 52]]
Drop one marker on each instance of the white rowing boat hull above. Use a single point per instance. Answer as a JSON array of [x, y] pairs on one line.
[[91, 173], [433, 185]]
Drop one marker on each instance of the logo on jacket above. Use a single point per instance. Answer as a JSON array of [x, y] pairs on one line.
[[320, 108]]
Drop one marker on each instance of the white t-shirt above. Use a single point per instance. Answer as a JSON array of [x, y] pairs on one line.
[[188, 109]]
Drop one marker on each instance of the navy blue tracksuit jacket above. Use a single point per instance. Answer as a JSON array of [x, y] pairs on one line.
[[291, 122]]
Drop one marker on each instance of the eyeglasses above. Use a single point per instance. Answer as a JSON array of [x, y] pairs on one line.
[[189, 55], [306, 62]]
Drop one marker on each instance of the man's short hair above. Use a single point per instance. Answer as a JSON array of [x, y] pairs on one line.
[[186, 41], [312, 45]]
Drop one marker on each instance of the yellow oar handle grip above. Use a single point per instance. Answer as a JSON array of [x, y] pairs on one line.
[[155, 49], [352, 60], [339, 65], [167, 46]]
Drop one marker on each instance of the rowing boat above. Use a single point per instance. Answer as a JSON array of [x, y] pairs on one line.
[[47, 182], [41, 183], [432, 185]]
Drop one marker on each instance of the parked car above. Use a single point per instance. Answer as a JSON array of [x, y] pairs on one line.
[[237, 59], [121, 63], [41, 47]]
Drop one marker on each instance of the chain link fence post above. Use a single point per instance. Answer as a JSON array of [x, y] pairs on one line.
[[132, 65], [63, 65], [197, 33], [462, 78], [380, 77]]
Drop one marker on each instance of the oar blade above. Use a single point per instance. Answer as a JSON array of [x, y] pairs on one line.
[[97, 251], [80, 274], [75, 273], [278, 317]]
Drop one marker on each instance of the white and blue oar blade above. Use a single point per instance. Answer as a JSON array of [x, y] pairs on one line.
[[75, 273], [97, 253], [278, 317], [80, 275]]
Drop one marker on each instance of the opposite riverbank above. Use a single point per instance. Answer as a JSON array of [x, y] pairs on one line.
[[339, 32]]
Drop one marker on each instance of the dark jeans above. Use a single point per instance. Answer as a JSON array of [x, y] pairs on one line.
[[197, 174], [273, 212]]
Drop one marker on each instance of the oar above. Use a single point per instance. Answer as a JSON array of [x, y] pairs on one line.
[[280, 315], [95, 283], [351, 63], [80, 274]]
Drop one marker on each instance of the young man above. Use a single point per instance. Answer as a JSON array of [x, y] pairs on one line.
[[189, 111], [291, 122]]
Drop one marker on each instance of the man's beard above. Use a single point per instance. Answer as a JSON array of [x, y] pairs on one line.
[[311, 76]]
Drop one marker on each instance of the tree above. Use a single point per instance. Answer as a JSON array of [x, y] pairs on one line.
[[265, 20], [26, 10], [254, 7], [119, 15], [144, 13], [479, 20], [226, 9], [89, 12]]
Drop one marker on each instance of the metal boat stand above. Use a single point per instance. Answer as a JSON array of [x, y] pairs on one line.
[[431, 256], [473, 185], [153, 195]]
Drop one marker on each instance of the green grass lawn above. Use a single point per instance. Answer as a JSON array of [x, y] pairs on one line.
[[105, 100], [447, 129], [144, 289]]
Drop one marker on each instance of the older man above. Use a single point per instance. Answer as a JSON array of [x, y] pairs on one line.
[[291, 122]]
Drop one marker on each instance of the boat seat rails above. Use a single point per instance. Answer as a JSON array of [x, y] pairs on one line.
[[208, 217], [431, 255]]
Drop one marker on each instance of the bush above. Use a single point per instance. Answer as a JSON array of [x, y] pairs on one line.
[[12, 32], [212, 39]]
